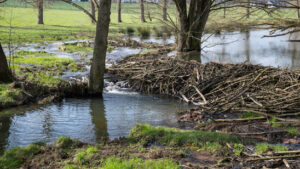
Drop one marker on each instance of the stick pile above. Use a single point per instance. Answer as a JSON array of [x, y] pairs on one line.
[[215, 88]]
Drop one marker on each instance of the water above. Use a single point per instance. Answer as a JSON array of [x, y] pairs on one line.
[[87, 119], [250, 47]]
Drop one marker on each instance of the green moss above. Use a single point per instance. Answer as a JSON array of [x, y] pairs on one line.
[[137, 163], [14, 158], [67, 142], [249, 115], [39, 53], [264, 147], [177, 137]]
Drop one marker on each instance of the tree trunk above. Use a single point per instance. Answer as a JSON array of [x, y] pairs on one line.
[[40, 5], [5, 74], [191, 24], [96, 82], [142, 11], [119, 11], [165, 2], [248, 9], [93, 11], [298, 12]]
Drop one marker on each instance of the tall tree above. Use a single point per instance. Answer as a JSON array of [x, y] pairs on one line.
[[165, 3], [142, 7], [93, 11], [96, 82], [119, 11], [5, 73], [192, 22], [40, 6]]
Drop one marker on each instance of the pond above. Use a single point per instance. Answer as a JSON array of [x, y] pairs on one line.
[[250, 47]]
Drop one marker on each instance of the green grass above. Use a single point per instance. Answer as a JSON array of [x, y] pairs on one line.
[[33, 53], [63, 22], [292, 131], [14, 158], [66, 142], [177, 137], [264, 147], [137, 163], [249, 115], [83, 156], [8, 95]]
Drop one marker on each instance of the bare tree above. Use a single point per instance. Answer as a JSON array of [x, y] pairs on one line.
[[40, 6], [142, 8], [298, 12], [191, 23], [93, 11], [119, 11], [165, 4], [5, 73], [96, 82]]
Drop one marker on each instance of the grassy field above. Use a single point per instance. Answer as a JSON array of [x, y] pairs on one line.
[[18, 21]]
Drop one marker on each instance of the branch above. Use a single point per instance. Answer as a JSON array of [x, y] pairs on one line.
[[81, 8], [2, 1]]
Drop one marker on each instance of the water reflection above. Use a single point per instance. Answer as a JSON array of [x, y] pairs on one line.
[[88, 120], [250, 47]]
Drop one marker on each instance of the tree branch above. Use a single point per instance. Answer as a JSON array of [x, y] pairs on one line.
[[81, 8]]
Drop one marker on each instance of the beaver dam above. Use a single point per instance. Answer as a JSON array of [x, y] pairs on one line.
[[223, 114]]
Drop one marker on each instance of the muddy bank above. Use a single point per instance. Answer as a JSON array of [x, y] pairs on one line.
[[153, 147]]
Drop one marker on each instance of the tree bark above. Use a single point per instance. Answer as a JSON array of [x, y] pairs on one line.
[[5, 74], [142, 11], [119, 11], [191, 23], [165, 3], [248, 9], [298, 12], [40, 5], [96, 81], [93, 11]]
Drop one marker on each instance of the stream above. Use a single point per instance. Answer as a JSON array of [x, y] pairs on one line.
[[120, 109]]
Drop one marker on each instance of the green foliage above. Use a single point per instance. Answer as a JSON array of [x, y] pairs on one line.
[[238, 149], [136, 163], [82, 157], [67, 142], [264, 147], [273, 122], [177, 137], [14, 158], [249, 115], [292, 131]]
